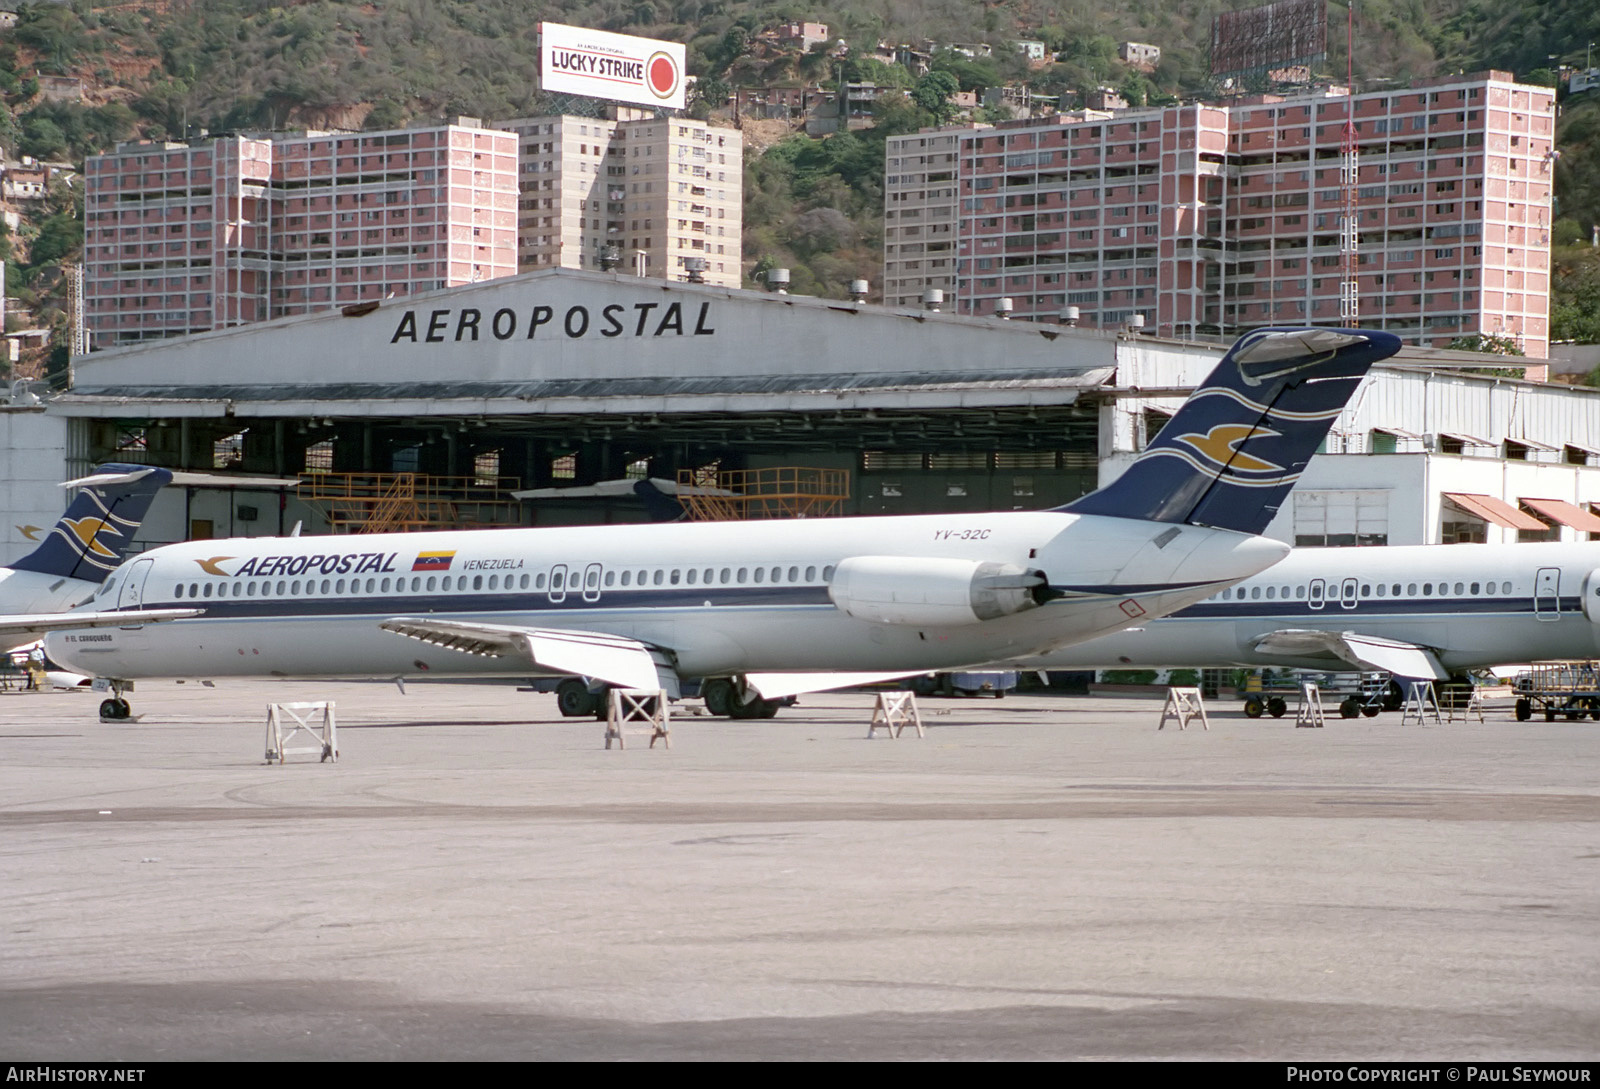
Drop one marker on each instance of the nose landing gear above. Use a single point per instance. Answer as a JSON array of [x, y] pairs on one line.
[[116, 709]]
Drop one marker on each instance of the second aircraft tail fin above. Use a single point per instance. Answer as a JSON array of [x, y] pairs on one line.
[[1234, 450], [93, 535]]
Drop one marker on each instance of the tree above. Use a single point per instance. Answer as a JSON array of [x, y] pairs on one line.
[[1489, 344], [58, 236], [933, 94], [385, 114], [43, 139], [894, 114], [1575, 294]]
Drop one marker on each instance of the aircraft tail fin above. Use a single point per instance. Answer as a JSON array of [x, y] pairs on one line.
[[93, 535], [660, 506], [1232, 453]]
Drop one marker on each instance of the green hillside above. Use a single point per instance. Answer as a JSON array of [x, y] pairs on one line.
[[170, 68]]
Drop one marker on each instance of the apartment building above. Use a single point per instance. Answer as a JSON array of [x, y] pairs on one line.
[[185, 237], [1219, 219], [657, 195]]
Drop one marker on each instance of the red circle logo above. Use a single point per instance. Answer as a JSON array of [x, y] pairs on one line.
[[661, 74]]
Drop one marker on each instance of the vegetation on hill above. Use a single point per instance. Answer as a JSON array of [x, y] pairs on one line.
[[167, 69]]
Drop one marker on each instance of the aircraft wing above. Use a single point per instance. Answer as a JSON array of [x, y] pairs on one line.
[[777, 686], [1366, 651], [614, 659], [39, 623]]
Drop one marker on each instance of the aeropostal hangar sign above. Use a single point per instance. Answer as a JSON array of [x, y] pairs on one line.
[[620, 67]]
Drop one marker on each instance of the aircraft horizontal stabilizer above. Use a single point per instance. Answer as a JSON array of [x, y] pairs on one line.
[[777, 686], [614, 659], [1366, 651], [39, 623]]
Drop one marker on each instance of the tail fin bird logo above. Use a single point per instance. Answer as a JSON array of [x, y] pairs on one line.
[[1220, 446], [88, 529]]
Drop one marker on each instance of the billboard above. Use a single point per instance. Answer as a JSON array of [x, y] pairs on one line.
[[1286, 34], [620, 67]]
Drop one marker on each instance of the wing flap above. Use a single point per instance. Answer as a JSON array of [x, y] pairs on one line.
[[1366, 651], [777, 686], [614, 659]]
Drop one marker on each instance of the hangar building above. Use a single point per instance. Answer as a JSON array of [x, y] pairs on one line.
[[565, 378]]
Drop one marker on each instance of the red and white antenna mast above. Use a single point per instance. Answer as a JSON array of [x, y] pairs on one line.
[[1349, 173]]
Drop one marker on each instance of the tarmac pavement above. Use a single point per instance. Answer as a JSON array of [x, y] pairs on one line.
[[1039, 877]]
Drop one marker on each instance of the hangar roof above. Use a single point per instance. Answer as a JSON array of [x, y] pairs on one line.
[[566, 341]]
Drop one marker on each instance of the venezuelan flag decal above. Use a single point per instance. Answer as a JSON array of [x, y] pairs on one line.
[[433, 561]]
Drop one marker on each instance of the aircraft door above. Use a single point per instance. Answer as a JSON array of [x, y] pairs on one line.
[[558, 584], [591, 582], [1314, 598], [1547, 594], [132, 593], [1347, 593]]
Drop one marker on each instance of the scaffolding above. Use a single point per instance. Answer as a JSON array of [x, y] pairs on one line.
[[405, 502], [791, 491]]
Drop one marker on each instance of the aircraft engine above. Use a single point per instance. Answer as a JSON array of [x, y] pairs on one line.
[[928, 592], [1591, 596]]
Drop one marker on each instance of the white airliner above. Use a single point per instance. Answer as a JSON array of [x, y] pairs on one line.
[[75, 556], [762, 610], [1427, 612]]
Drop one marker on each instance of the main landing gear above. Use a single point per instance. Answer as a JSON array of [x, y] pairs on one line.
[[574, 700], [726, 697]]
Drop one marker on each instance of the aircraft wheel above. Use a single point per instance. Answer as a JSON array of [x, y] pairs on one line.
[[1253, 707], [1349, 707], [1277, 706], [1394, 696], [1523, 709], [114, 710], [756, 708], [718, 695], [574, 700]]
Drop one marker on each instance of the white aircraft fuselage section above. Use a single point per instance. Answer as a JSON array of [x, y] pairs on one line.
[[24, 592], [722, 598], [1469, 605]]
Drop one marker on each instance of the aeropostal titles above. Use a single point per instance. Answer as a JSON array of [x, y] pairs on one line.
[[614, 320]]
